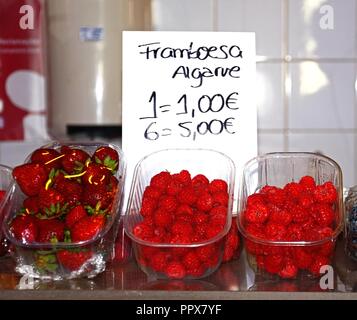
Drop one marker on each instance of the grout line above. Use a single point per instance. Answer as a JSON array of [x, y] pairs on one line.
[[215, 15], [309, 131]]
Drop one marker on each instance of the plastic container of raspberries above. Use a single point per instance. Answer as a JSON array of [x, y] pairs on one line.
[[290, 213], [5, 185], [64, 209], [179, 212]]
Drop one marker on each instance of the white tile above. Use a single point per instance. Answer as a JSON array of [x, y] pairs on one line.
[[14, 153], [308, 36], [270, 142], [182, 15], [269, 95], [339, 147], [260, 16], [322, 95]]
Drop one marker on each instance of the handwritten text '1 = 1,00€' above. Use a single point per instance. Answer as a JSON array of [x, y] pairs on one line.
[[191, 128]]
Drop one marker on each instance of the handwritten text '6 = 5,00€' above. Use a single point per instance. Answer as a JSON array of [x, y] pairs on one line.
[[183, 109]]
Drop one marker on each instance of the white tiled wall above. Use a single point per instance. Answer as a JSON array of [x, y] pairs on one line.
[[306, 73]]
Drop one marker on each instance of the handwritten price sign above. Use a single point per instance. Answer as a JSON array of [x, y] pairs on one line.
[[189, 90]]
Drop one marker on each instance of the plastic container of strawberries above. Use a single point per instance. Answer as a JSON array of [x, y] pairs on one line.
[[5, 186], [40, 260], [212, 164], [305, 241]]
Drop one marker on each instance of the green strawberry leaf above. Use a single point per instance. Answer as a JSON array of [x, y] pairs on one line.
[[97, 160]]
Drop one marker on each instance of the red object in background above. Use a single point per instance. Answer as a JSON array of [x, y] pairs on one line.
[[22, 60]]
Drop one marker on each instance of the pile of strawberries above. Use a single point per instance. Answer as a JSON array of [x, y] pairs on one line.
[[178, 209], [69, 196], [300, 211]]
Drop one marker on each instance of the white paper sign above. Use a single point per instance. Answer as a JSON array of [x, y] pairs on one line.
[[189, 90]]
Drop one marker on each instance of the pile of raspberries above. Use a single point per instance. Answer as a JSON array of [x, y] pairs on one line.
[[300, 211], [178, 209]]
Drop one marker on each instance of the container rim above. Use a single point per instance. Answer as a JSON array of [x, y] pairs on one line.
[[338, 229], [218, 237], [117, 205]]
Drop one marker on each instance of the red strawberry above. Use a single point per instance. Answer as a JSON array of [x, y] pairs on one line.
[[161, 180], [51, 202], [218, 185], [175, 270], [73, 260], [31, 178], [50, 158], [51, 230], [73, 160], [31, 205], [92, 195], [87, 228], [24, 228], [96, 174], [74, 215], [70, 189], [107, 156]]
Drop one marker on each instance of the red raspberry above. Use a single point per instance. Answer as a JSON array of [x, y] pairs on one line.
[[273, 263], [308, 183], [218, 185], [299, 214], [218, 220], [159, 261], [275, 231], [168, 203], [175, 270], [228, 253], [220, 199], [323, 215], [255, 230], [302, 258], [220, 210], [317, 263], [200, 217], [289, 270], [255, 198], [204, 253], [148, 206], [257, 214], [311, 235], [212, 262], [191, 260], [187, 196], [147, 251], [187, 218], [326, 193], [182, 228], [178, 252], [200, 231], [274, 195], [306, 200], [161, 180], [180, 239], [184, 209], [174, 187], [163, 218], [159, 235], [278, 215], [152, 192], [213, 230], [196, 272], [199, 181], [143, 231], [293, 190], [204, 202], [325, 233], [184, 177], [326, 249], [294, 233]]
